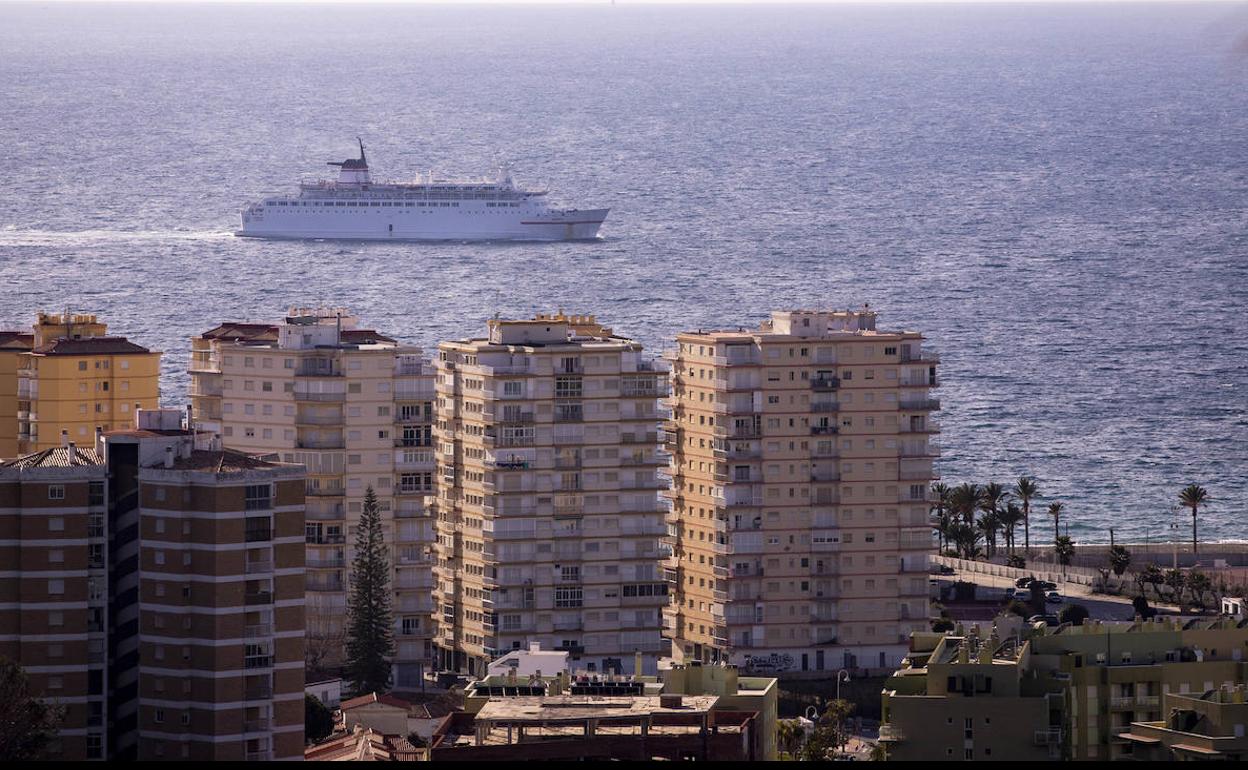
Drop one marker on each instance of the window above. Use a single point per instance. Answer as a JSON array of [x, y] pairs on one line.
[[56, 491], [258, 497]]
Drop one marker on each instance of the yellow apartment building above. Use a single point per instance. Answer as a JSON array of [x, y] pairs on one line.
[[548, 515], [77, 379], [798, 526], [12, 345]]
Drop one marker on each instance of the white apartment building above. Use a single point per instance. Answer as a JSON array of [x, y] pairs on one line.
[[549, 525]]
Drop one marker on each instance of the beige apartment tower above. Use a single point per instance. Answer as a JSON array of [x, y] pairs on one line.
[[355, 407], [799, 515], [548, 517]]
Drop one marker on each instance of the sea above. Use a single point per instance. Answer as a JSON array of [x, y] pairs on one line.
[[1056, 195]]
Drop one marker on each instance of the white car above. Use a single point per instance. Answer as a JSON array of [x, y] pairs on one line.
[[1053, 597]]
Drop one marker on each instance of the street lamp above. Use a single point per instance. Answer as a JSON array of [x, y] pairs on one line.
[[841, 676]]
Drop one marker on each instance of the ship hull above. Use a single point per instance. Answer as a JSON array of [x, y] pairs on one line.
[[398, 223]]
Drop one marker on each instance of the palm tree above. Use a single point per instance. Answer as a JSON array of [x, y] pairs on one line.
[[993, 494], [988, 523], [1055, 510], [1193, 496], [965, 500], [1119, 559], [1010, 517], [1025, 489]]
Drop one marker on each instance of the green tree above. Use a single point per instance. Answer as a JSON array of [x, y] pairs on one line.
[[1074, 614], [1193, 496], [1140, 604], [1175, 581], [27, 724], [318, 720], [1119, 559], [1026, 489], [1198, 584], [788, 737], [370, 624], [1065, 550], [830, 734], [1151, 576]]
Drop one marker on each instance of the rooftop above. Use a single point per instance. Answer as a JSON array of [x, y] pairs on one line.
[[57, 457], [577, 708], [91, 346], [372, 697]]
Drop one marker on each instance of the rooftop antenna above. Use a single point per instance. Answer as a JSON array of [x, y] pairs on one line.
[[361, 141]]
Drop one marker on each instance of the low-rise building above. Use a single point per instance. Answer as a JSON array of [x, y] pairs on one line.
[[693, 711], [1065, 693], [1209, 726]]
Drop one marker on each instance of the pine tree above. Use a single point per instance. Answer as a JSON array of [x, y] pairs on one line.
[[370, 624]]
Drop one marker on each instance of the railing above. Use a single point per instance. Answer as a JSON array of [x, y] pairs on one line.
[[922, 404], [890, 733], [825, 383], [260, 597], [255, 726], [1041, 738], [258, 631], [258, 535], [254, 567]]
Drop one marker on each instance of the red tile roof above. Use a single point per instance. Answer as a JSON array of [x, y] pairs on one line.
[[373, 697], [56, 457], [91, 346]]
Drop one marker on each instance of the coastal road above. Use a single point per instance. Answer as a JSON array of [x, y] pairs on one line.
[[1100, 606]]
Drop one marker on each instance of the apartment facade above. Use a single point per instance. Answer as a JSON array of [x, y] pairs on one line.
[[354, 407], [547, 512], [799, 515], [76, 378], [158, 594], [1210, 726], [12, 344], [1074, 693]]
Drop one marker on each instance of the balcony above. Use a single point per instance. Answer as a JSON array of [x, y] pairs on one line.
[[321, 397], [891, 734], [256, 726], [258, 631], [258, 597], [1051, 737], [824, 430], [919, 405], [824, 384], [257, 567], [326, 562], [829, 406]]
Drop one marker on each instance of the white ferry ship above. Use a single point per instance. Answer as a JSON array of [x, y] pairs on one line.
[[356, 208]]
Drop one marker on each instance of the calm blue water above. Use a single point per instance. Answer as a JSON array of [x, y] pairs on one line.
[[1057, 195]]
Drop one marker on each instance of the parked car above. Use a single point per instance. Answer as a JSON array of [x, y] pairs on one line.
[[1053, 597], [1023, 582], [1045, 585], [1048, 620], [945, 569]]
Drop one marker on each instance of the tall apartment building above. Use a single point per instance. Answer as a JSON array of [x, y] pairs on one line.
[[799, 515], [1101, 691], [156, 592], [355, 407], [12, 345], [548, 518], [76, 378]]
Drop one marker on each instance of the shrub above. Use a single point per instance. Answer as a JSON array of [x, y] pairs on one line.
[[1074, 614]]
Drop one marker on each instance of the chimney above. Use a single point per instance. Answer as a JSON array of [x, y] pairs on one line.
[[637, 663], [190, 417], [99, 439], [168, 457], [64, 438]]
